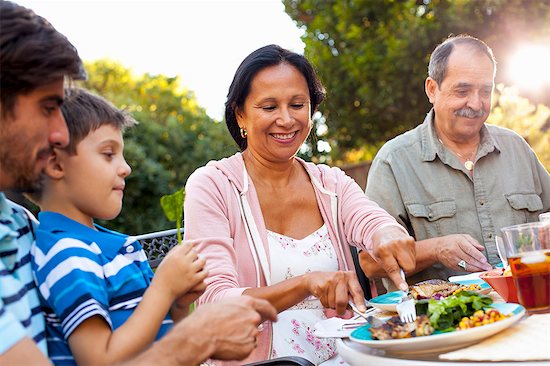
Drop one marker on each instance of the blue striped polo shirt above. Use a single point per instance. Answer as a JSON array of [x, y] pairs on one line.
[[20, 314], [82, 272]]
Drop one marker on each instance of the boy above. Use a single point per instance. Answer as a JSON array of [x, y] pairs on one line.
[[95, 285]]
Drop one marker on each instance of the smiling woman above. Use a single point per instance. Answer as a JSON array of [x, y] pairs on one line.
[[273, 226]]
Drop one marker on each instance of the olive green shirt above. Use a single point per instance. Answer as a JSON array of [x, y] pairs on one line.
[[430, 192]]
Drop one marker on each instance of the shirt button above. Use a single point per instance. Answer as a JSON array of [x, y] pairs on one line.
[[481, 202], [490, 235], [430, 215], [129, 249]]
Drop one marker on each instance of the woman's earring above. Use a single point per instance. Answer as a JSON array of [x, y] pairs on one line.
[[243, 133]]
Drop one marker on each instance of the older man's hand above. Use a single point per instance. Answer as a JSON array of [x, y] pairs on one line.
[[393, 249], [450, 250], [232, 325]]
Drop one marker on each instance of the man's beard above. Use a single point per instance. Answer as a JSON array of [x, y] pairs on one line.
[[25, 179]]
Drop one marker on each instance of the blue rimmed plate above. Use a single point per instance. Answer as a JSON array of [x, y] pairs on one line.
[[439, 342], [388, 302]]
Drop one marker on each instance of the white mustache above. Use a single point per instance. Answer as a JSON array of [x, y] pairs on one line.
[[469, 113]]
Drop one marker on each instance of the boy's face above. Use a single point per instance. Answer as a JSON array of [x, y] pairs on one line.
[[28, 134], [93, 178]]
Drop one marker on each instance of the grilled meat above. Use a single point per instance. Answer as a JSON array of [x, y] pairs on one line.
[[433, 289], [395, 329]]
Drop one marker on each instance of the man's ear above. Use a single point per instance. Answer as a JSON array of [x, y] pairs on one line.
[[54, 166], [430, 88]]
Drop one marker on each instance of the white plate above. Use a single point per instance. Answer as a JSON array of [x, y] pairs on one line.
[[439, 342], [389, 301], [470, 276]]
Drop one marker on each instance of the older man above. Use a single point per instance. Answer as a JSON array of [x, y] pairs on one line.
[[34, 61], [454, 181]]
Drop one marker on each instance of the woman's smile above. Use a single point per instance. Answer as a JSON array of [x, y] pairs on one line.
[[284, 137]]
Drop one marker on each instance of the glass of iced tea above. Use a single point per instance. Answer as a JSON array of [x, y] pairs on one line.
[[528, 251]]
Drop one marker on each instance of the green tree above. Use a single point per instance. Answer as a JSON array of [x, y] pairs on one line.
[[173, 138], [372, 56], [531, 121]]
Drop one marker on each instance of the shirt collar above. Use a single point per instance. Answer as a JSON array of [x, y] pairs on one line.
[[432, 147], [110, 242], [5, 209], [6, 218]]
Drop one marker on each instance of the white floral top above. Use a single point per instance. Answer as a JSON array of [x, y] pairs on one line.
[[293, 331]]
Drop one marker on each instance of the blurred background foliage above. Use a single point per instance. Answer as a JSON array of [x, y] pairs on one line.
[[173, 138], [531, 121], [372, 56]]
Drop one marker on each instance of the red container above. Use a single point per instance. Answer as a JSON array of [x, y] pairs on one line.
[[503, 285]]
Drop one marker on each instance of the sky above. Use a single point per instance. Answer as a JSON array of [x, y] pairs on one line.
[[202, 41]]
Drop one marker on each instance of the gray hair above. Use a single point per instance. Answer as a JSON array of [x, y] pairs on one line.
[[437, 68]]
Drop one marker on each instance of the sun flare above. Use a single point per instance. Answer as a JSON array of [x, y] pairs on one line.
[[529, 67]]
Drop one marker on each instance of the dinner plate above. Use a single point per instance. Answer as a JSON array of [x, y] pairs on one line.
[[389, 301], [438, 341]]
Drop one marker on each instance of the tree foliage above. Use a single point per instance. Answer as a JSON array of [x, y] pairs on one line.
[[173, 138], [531, 121], [372, 55]]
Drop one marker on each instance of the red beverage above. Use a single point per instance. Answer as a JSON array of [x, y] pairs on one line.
[[531, 273]]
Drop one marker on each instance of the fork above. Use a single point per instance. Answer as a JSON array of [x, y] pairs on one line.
[[406, 308]]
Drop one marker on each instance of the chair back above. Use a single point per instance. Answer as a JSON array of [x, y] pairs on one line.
[[363, 279], [156, 245]]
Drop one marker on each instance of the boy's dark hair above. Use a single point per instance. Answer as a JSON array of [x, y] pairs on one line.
[[32, 54], [85, 112]]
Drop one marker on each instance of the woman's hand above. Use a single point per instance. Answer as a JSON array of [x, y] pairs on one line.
[[393, 249], [334, 289]]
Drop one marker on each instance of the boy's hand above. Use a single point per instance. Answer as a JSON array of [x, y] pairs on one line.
[[180, 271], [190, 296]]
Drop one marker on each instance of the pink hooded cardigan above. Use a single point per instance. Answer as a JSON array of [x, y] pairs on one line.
[[218, 194]]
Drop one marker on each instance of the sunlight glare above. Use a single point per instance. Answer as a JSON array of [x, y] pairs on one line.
[[529, 67]]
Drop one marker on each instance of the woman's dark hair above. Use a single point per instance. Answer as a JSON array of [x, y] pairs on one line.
[[32, 54], [258, 60]]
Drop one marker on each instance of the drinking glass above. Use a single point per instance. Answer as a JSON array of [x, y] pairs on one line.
[[528, 251]]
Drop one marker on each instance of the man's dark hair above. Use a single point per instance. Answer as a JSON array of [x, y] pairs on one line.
[[32, 54], [258, 60], [439, 60]]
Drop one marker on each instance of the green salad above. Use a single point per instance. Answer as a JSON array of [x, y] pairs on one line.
[[445, 314]]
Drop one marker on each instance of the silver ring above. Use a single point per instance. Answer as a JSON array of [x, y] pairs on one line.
[[462, 264]]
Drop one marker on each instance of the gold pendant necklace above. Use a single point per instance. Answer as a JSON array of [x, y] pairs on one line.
[[468, 164]]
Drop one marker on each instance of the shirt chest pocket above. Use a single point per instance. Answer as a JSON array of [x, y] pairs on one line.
[[433, 219], [526, 206]]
